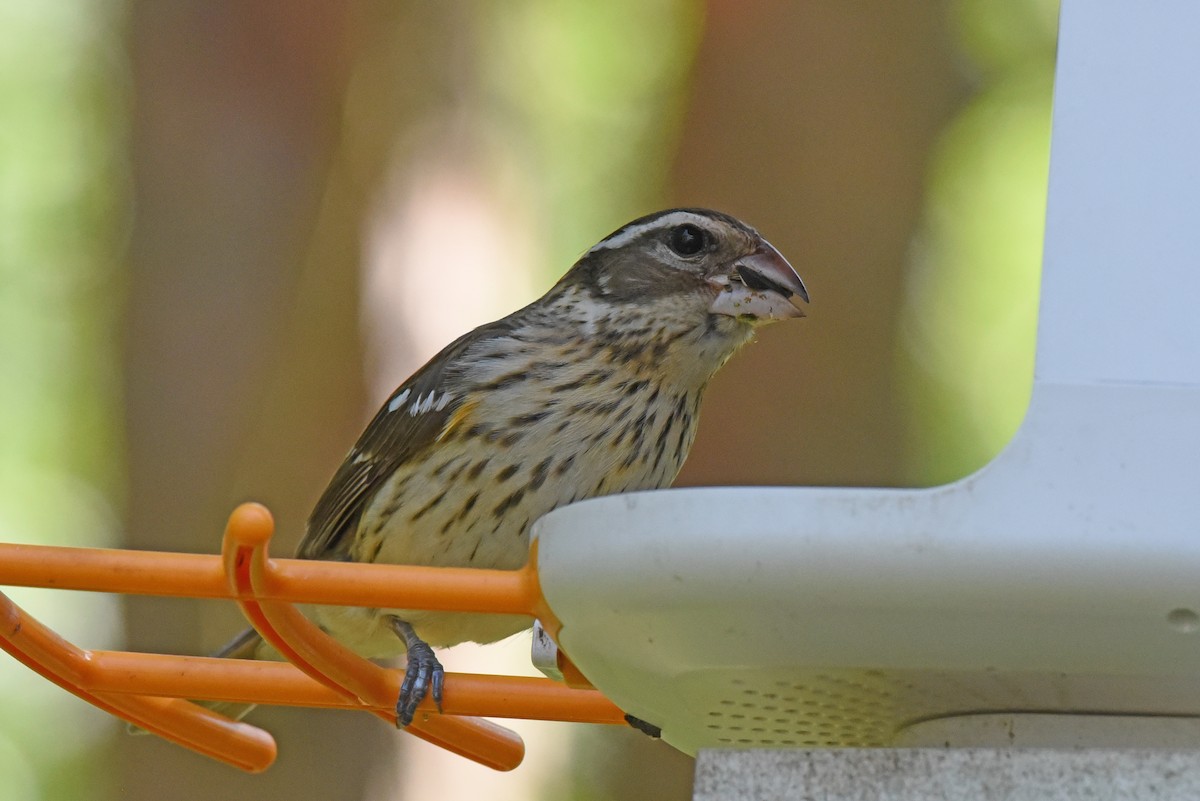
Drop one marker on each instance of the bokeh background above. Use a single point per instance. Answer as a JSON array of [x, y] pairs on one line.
[[228, 229]]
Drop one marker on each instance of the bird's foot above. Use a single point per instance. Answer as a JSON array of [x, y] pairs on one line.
[[423, 676]]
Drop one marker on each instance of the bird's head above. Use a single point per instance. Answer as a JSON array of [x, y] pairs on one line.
[[694, 264]]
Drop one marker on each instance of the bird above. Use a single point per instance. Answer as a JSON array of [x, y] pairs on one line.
[[591, 390]]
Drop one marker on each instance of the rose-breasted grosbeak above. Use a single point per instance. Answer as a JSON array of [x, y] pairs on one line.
[[591, 390]]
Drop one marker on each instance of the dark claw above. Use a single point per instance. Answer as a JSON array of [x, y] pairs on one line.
[[423, 675], [439, 678]]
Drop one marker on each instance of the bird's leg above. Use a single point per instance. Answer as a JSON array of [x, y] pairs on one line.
[[423, 675]]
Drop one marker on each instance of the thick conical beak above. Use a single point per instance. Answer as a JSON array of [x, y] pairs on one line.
[[761, 286]]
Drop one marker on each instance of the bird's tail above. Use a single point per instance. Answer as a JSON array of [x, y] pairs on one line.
[[246, 645]]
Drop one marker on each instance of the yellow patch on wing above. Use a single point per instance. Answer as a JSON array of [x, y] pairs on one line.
[[458, 420]]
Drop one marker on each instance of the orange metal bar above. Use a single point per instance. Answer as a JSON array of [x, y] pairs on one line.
[[281, 684], [294, 580], [148, 690], [168, 574], [175, 719], [103, 570]]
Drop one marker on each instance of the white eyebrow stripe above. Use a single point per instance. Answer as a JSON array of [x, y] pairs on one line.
[[632, 232], [398, 401]]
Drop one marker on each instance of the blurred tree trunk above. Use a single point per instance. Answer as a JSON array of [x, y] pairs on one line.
[[814, 122], [243, 372]]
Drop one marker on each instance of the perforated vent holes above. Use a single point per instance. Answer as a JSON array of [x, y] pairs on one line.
[[814, 708], [819, 711]]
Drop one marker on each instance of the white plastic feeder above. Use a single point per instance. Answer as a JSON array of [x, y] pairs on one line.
[[1052, 598]]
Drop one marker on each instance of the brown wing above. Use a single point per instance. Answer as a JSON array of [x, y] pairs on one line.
[[393, 437]]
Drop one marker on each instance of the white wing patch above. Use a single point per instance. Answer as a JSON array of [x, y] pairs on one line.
[[425, 403], [398, 401]]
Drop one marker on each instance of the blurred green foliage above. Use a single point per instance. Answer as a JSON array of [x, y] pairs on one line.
[[63, 209], [598, 132], [969, 321]]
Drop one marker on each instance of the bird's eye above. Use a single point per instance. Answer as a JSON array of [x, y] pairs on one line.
[[687, 240]]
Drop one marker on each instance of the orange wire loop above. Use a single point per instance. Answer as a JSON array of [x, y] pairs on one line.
[[328, 662], [150, 690]]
